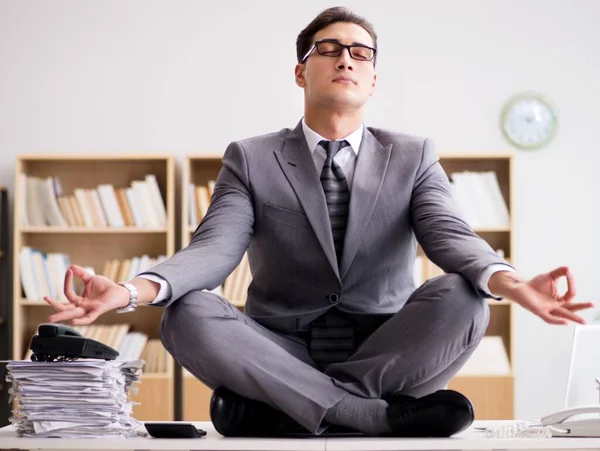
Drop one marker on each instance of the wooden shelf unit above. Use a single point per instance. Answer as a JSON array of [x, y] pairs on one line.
[[93, 246], [491, 394], [197, 170]]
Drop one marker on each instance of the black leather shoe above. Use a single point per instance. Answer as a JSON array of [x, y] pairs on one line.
[[440, 414], [397, 397], [233, 415]]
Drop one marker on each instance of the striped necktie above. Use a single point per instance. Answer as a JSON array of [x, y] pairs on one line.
[[337, 194], [332, 334]]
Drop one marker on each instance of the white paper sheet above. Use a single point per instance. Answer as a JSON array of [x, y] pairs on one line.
[[76, 399]]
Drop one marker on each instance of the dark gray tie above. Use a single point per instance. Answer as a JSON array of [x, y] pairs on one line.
[[337, 194], [332, 334]]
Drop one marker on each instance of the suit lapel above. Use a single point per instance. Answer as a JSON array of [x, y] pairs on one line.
[[371, 166], [298, 166]]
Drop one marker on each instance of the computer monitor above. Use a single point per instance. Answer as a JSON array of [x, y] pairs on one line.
[[582, 387]]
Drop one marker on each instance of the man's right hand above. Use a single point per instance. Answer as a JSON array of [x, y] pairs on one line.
[[99, 295]]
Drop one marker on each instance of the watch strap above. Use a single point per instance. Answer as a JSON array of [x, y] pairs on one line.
[[133, 298]]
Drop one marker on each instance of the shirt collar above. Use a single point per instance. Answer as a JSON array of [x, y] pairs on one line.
[[313, 138]]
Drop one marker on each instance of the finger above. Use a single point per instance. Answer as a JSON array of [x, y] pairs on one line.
[[550, 319], [559, 272], [75, 312], [68, 287], [575, 307], [565, 271], [86, 319], [564, 313], [58, 305]]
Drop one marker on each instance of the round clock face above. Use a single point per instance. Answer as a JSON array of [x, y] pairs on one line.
[[528, 121]]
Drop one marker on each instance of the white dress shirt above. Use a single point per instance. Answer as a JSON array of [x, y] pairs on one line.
[[346, 159]]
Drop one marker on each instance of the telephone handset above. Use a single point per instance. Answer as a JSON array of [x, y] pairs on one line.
[[61, 342], [564, 424]]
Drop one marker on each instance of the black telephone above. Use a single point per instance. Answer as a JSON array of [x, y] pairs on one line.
[[60, 342]]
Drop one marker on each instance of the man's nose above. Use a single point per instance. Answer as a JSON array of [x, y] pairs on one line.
[[345, 60]]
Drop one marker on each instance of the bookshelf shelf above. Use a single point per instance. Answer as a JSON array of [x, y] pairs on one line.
[[29, 303], [42, 303], [91, 158], [137, 191], [92, 230], [490, 376]]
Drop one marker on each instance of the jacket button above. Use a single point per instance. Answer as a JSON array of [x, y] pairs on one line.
[[333, 298]]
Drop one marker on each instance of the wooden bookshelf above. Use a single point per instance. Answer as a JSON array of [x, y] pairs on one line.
[[93, 246], [491, 394], [198, 171]]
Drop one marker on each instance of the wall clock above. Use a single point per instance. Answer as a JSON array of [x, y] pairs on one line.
[[528, 121]]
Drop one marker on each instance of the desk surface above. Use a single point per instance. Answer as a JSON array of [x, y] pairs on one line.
[[471, 439]]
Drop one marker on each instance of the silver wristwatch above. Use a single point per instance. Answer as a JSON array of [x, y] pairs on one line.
[[133, 298]]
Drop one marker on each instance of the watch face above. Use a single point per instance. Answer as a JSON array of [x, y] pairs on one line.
[[528, 121]]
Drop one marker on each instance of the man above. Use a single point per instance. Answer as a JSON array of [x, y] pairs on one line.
[[334, 333]]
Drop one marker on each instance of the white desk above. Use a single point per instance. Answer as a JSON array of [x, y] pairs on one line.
[[468, 440]]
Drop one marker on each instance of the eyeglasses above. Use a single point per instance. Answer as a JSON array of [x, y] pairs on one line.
[[334, 49]]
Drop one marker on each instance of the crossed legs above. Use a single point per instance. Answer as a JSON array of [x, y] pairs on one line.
[[416, 352]]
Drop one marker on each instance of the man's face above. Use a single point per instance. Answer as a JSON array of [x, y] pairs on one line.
[[338, 81]]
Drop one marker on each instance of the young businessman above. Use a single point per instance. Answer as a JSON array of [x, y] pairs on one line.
[[334, 332]]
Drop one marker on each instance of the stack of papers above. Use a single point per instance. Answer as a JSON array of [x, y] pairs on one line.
[[74, 399]]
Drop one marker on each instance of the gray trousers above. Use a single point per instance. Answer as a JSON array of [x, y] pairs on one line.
[[416, 352]]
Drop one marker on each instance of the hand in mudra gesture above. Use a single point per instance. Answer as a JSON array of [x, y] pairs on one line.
[[550, 304], [99, 295], [540, 295]]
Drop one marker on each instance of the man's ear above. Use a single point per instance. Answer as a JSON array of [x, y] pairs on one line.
[[372, 90], [299, 75]]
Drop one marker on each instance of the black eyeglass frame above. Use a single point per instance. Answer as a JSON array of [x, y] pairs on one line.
[[343, 46]]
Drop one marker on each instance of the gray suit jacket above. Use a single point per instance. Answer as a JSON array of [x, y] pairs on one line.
[[268, 200]]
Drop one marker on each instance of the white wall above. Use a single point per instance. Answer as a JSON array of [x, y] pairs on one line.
[[190, 76]]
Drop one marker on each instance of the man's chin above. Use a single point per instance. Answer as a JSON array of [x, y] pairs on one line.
[[344, 102]]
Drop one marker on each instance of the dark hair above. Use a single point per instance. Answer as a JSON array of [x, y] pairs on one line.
[[323, 20]]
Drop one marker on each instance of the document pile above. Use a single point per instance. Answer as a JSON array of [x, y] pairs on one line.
[[74, 399]]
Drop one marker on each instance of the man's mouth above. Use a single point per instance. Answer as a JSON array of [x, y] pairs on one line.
[[344, 80]]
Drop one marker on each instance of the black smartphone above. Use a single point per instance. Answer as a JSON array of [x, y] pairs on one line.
[[173, 430]]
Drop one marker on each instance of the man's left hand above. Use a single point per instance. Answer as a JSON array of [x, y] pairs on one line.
[[540, 295]]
